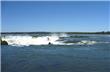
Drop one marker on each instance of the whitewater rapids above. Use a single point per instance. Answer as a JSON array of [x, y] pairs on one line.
[[29, 40], [26, 40]]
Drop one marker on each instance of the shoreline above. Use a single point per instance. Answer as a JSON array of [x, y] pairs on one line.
[[56, 32]]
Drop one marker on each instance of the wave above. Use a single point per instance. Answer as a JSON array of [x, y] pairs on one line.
[[17, 40], [29, 40], [54, 39]]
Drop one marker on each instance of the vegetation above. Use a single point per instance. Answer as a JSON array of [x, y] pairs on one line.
[[103, 32], [108, 32]]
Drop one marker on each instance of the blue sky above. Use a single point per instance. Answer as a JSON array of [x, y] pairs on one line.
[[55, 16]]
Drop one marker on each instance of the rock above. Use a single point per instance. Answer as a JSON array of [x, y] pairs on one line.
[[4, 42], [49, 43]]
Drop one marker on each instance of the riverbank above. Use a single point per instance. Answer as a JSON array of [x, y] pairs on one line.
[[108, 32]]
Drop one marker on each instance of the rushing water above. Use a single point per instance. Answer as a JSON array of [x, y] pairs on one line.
[[67, 53]]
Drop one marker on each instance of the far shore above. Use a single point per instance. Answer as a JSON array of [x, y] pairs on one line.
[[108, 32]]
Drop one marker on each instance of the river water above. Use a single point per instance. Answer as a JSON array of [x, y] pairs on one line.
[[66, 53]]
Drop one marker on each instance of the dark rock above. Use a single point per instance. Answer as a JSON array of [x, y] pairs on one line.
[[4, 42], [49, 43]]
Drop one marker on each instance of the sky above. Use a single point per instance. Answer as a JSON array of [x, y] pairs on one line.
[[55, 16]]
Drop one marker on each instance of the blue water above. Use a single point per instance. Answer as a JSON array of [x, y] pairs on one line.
[[58, 58], [54, 58]]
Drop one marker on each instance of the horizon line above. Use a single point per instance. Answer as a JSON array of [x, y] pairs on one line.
[[56, 31]]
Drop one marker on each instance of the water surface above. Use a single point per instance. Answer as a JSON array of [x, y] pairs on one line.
[[58, 58]]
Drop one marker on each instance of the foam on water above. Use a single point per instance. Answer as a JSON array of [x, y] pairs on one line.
[[29, 40], [26, 40]]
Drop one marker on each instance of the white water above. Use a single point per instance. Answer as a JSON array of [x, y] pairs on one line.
[[29, 40], [44, 40]]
